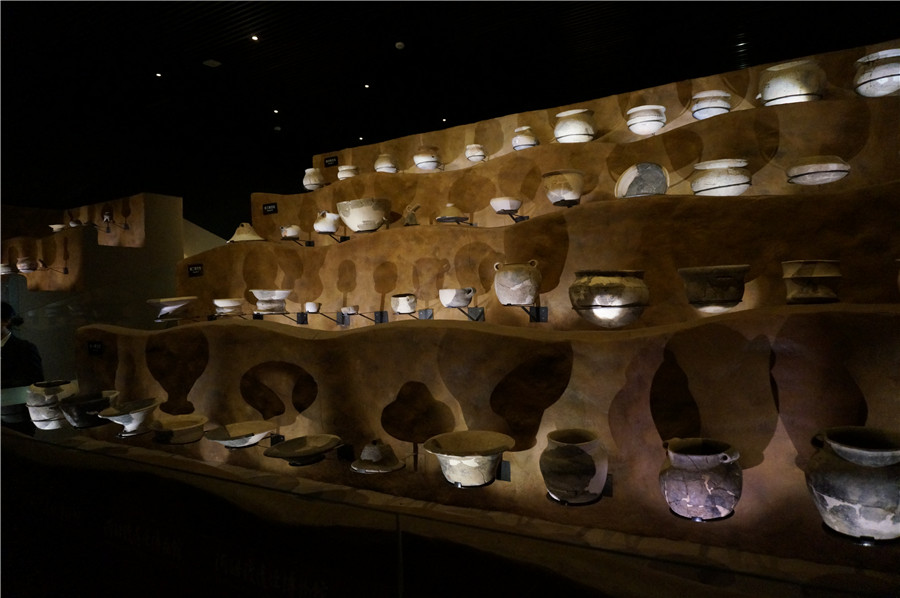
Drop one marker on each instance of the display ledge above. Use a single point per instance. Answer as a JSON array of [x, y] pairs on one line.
[[615, 563]]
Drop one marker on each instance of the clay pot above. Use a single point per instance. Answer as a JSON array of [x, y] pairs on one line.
[[646, 120], [377, 457], [524, 138], [313, 179], [854, 480], [564, 187], [304, 450], [811, 281], [818, 170], [134, 416], [312, 307], [574, 466], [475, 152], [179, 429], [707, 104], [43, 402], [726, 177], [404, 303], [385, 163], [81, 411], [290, 232], [427, 158], [326, 223], [26, 264], [517, 284], [714, 289], [270, 301], [878, 74], [469, 458], [347, 171], [456, 297], [642, 179], [574, 126], [228, 305], [700, 478], [609, 298], [791, 82], [364, 215], [506, 205]]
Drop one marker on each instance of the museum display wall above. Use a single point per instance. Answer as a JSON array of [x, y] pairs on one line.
[[566, 355]]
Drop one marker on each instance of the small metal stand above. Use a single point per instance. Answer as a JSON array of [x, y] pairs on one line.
[[340, 239], [512, 214], [423, 314], [536, 314], [475, 314], [380, 317], [303, 318], [343, 319], [299, 242]]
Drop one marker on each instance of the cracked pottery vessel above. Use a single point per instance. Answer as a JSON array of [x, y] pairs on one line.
[[326, 222], [854, 481], [82, 411], [469, 458], [564, 187], [701, 478], [475, 152], [646, 120], [385, 163], [707, 104], [811, 281], [517, 284], [609, 298], [313, 179], [241, 434], [403, 303], [347, 171], [364, 215], [270, 301], [642, 179], [524, 138], [456, 297], [791, 82], [43, 402], [721, 178], [574, 466], [574, 126], [134, 416], [714, 289], [818, 170], [878, 74], [427, 158]]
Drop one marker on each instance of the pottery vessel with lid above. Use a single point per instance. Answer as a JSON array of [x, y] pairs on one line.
[[469, 458]]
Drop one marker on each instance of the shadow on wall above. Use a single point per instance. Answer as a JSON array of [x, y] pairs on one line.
[[269, 385], [415, 416], [176, 359], [473, 265]]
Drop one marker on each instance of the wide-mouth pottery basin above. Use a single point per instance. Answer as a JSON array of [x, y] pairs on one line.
[[574, 126], [714, 289], [646, 120], [377, 457], [304, 450], [609, 298], [564, 187], [364, 215], [723, 177], [179, 429], [270, 300], [245, 232], [878, 74], [168, 305], [791, 82], [818, 170], [228, 302], [327, 222], [469, 458], [134, 416], [427, 158], [241, 434], [642, 179], [870, 447], [707, 104], [456, 297], [82, 411], [450, 213], [506, 205]]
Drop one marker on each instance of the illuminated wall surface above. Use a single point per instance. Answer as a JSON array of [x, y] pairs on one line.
[[761, 374]]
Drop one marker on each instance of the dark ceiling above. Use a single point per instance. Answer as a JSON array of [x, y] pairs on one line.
[[85, 118]]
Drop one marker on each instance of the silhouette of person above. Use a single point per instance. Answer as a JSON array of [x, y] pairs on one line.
[[20, 361]]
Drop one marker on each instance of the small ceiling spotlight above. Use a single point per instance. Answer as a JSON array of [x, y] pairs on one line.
[[360, 138], [254, 38], [275, 111], [399, 45], [159, 74], [366, 85]]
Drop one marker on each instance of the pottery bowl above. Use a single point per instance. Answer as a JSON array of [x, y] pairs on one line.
[[870, 447], [241, 434], [404, 303], [456, 297], [818, 170], [506, 205], [271, 294], [714, 289], [564, 187], [377, 457], [179, 429], [134, 416], [364, 215], [82, 411], [469, 458], [304, 450]]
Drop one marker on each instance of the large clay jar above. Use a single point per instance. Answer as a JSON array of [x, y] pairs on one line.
[[574, 126], [714, 289], [609, 298], [878, 74], [574, 466], [854, 480], [791, 82], [701, 478], [517, 284], [811, 281], [313, 179], [722, 178], [385, 163], [524, 138]]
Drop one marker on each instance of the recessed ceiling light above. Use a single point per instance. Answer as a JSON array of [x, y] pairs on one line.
[[443, 120], [254, 38], [275, 111], [360, 138], [212, 63], [159, 74], [366, 86]]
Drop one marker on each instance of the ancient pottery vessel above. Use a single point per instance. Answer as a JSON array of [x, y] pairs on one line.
[[347, 171], [790, 82], [700, 478], [854, 480], [270, 301], [456, 297], [43, 401], [878, 74], [313, 179], [646, 120], [364, 215], [726, 177], [179, 429], [290, 232], [304, 450], [327, 222], [404, 303], [450, 213], [574, 466], [168, 305], [517, 284], [427, 158], [564, 187], [524, 138], [818, 170], [707, 104], [377, 457], [506, 205], [469, 458], [134, 416], [811, 281], [385, 163], [312, 307], [475, 152], [574, 126], [26, 264], [609, 298], [714, 289], [244, 232], [81, 411], [241, 434], [644, 178], [228, 306]]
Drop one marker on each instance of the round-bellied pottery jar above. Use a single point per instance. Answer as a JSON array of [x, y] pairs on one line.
[[811, 281], [427, 158], [517, 284], [714, 289], [475, 152], [403, 303], [524, 138], [564, 187], [609, 298], [818, 170], [313, 179], [726, 177], [456, 297], [364, 215], [854, 480], [347, 171], [701, 478], [791, 82], [469, 458], [385, 163], [326, 222], [878, 74], [574, 126], [707, 104], [574, 466], [646, 120]]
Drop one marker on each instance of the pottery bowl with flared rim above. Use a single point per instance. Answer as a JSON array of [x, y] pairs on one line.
[[304, 450], [241, 434]]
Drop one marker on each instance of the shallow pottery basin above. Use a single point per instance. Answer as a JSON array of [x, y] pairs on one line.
[[364, 215], [818, 170], [135, 416], [811, 281], [714, 289], [377, 457], [469, 458], [82, 411], [179, 429], [506, 205], [870, 447], [304, 450], [228, 305], [241, 434], [168, 305]]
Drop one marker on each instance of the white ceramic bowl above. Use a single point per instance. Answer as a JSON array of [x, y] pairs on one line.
[[168, 305], [469, 458], [134, 416], [456, 297], [241, 434], [564, 187], [506, 205]]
